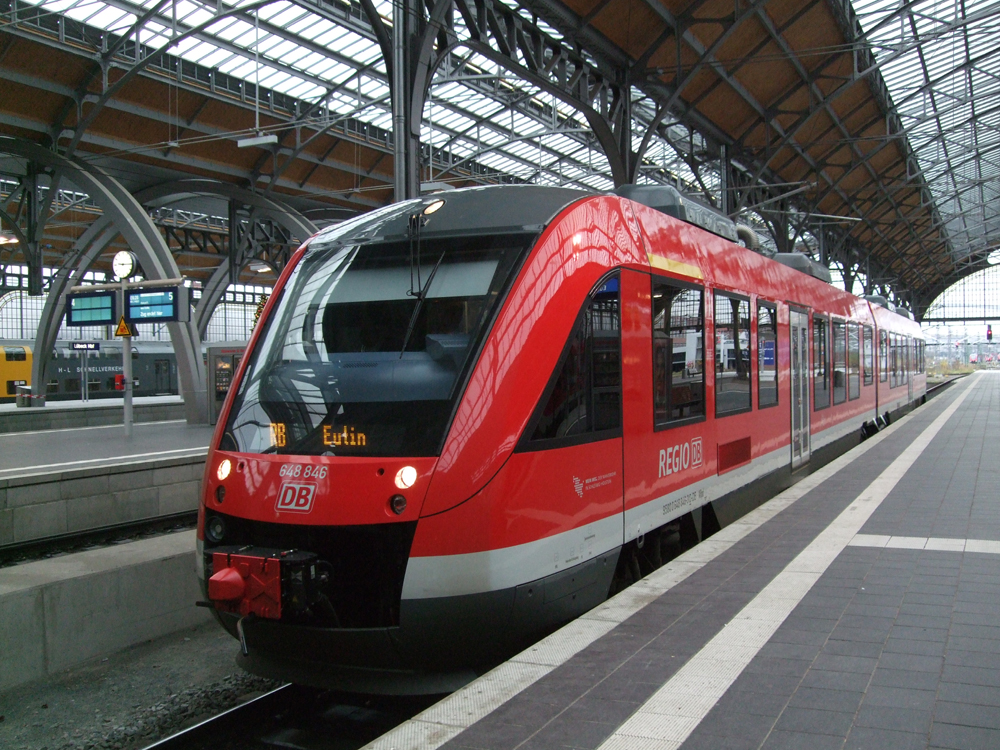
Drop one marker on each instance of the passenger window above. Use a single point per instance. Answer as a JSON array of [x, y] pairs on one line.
[[15, 354], [869, 352], [904, 343], [853, 361], [732, 354], [821, 363], [678, 352], [767, 355], [839, 347], [883, 357], [583, 402], [894, 356]]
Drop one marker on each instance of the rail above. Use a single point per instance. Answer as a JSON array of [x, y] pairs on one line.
[[75, 541], [207, 733]]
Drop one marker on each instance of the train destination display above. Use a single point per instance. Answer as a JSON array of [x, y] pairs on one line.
[[159, 305], [90, 309]]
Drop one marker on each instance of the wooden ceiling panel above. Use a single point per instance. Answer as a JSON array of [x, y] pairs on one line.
[[27, 101], [631, 24], [59, 68]]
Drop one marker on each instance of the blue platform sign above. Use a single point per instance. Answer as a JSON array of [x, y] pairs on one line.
[[91, 308], [160, 305]]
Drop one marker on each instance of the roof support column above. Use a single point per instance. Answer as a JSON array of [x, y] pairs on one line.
[[405, 131], [33, 252], [724, 202]]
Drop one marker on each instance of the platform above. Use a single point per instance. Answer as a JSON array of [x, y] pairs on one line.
[[93, 413], [858, 609], [62, 481], [55, 614]]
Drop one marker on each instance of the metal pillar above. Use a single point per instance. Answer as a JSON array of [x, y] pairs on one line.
[[127, 368], [405, 131]]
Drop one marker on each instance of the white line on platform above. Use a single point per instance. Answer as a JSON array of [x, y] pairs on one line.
[[94, 427], [463, 708], [116, 460], [701, 682], [937, 543]]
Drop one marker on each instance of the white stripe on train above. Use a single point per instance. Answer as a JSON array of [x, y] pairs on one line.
[[494, 570]]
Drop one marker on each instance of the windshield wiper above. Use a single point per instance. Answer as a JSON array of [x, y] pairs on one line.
[[421, 296]]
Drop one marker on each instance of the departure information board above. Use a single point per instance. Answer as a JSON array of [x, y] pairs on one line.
[[90, 309], [159, 305]]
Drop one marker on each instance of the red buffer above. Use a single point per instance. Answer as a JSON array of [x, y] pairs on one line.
[[246, 585]]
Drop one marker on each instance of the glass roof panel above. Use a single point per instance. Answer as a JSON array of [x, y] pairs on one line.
[[475, 105], [943, 87]]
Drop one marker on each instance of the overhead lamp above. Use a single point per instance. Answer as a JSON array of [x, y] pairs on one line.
[[994, 257], [259, 267], [432, 207], [7, 239], [257, 140]]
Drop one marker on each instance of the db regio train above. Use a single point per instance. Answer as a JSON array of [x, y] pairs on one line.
[[466, 419]]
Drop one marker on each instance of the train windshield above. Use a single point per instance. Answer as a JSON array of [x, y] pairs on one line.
[[366, 349]]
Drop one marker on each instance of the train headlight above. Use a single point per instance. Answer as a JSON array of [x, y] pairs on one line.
[[224, 468], [215, 529], [405, 477]]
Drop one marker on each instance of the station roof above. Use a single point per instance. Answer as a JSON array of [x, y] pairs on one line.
[[879, 120]]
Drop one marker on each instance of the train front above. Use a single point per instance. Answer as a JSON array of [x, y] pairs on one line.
[[328, 443]]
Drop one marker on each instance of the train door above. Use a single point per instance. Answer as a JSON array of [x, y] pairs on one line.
[[799, 333], [161, 376]]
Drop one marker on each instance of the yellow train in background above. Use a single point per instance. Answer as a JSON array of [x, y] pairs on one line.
[[15, 370]]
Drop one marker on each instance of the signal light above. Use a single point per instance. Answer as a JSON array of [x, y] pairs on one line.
[[989, 332]]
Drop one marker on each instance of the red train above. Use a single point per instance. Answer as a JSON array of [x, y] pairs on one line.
[[464, 420]]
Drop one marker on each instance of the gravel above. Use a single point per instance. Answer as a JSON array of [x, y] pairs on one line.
[[130, 699]]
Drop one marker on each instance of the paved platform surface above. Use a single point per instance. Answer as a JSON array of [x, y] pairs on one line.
[[48, 451], [858, 609], [92, 403]]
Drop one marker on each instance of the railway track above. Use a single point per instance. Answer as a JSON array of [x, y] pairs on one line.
[[297, 717], [38, 549], [939, 387]]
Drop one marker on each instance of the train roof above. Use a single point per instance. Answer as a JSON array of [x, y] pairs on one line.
[[496, 208]]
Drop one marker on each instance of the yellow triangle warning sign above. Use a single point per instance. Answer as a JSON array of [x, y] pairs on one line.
[[123, 328]]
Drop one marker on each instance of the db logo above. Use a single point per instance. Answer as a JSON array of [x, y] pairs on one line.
[[296, 497]]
